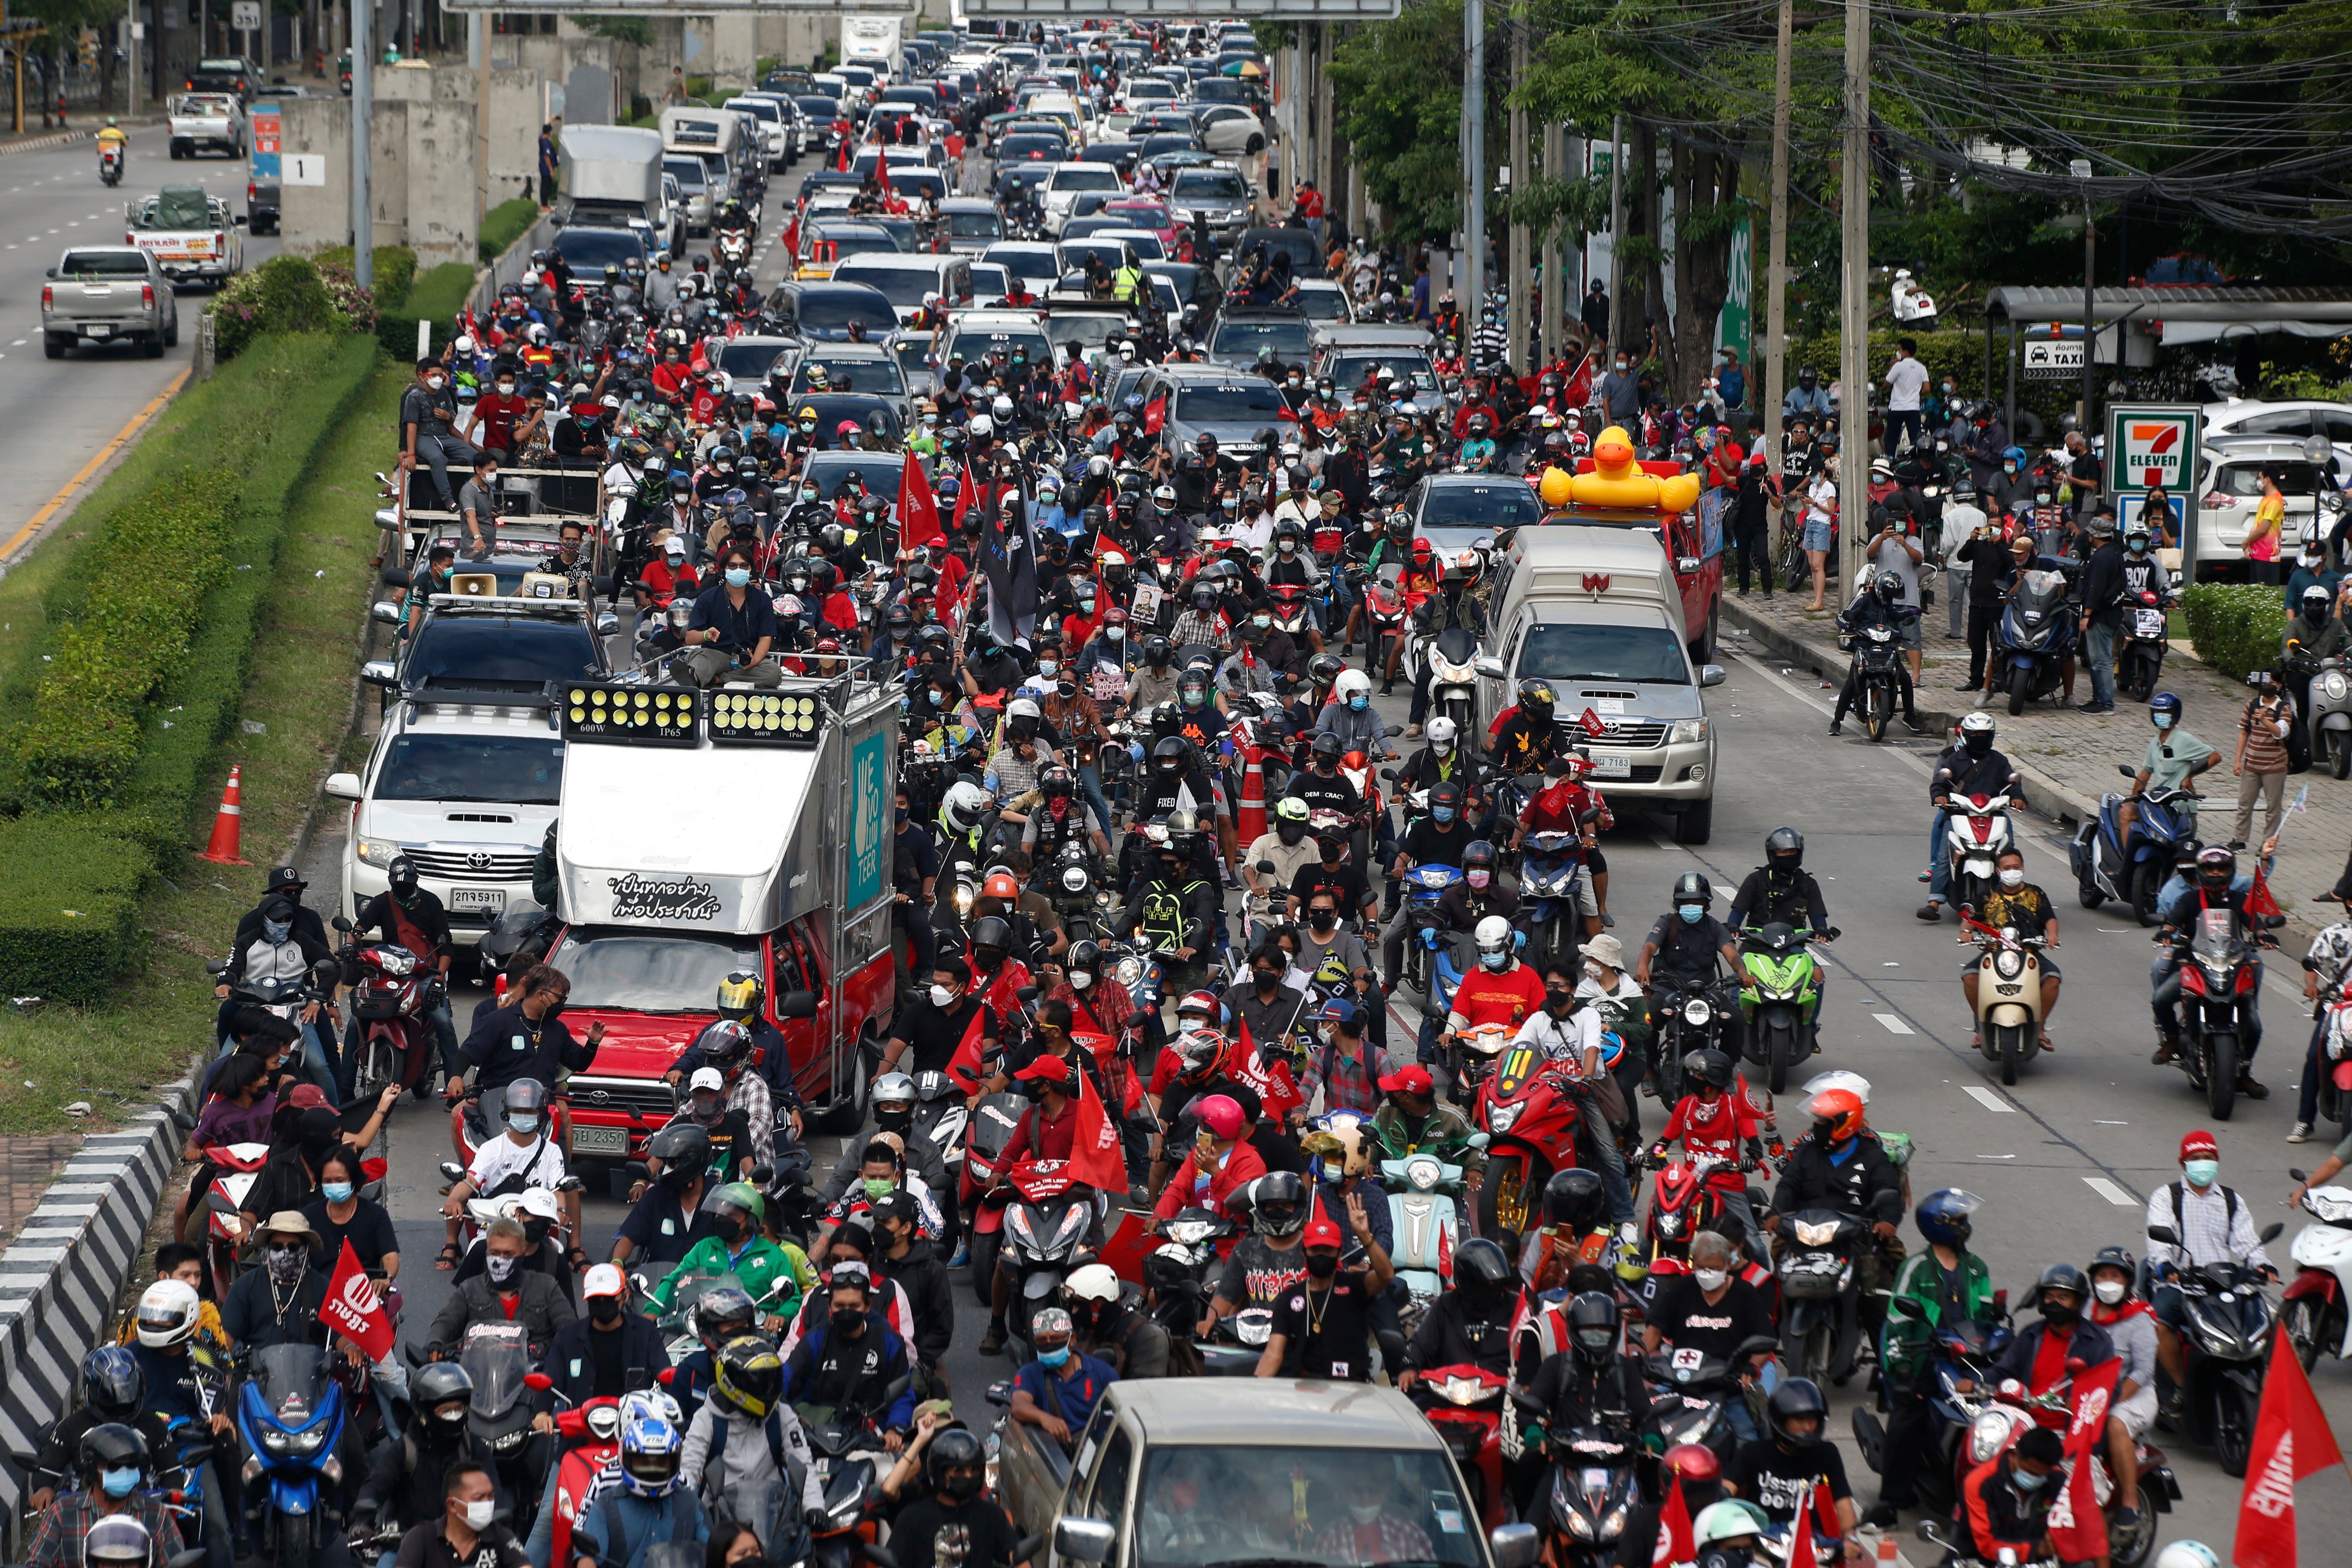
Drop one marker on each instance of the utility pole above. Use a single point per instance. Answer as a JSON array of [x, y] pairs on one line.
[[1854, 313], [1616, 227], [1554, 273], [363, 102], [1473, 145], [2081, 169], [1519, 259], [1776, 272], [477, 46]]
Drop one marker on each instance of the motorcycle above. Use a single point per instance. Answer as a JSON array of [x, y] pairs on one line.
[[591, 1437], [109, 163], [1083, 904], [941, 1118], [1045, 1223], [1188, 1257], [2336, 1061], [1594, 1489], [2316, 1310], [1691, 1018], [2033, 639], [1470, 1055], [394, 1000], [2217, 991], [1293, 609], [1464, 1404], [499, 1361], [1432, 959], [1452, 658], [732, 247], [1552, 866], [1876, 676], [2008, 994], [236, 1167], [2226, 1351], [2133, 873], [1425, 1228], [2140, 660], [1695, 1392], [1977, 832], [1383, 599], [291, 1415], [2328, 717], [1780, 995], [1529, 1112], [1821, 1313], [1682, 1203], [1963, 1351]]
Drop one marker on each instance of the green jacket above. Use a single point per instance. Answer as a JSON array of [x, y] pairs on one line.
[[758, 1266], [1446, 1133], [1912, 1315]]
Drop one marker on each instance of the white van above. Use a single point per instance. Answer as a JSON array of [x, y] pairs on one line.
[[1595, 611], [905, 279], [716, 136]]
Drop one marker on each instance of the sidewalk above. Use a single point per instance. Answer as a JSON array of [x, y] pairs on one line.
[[2068, 759]]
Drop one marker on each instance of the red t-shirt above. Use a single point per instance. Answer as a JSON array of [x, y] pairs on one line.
[[499, 416], [1717, 1127], [665, 583], [1486, 997]]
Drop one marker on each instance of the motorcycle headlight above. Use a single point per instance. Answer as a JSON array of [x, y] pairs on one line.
[[1987, 1433], [2009, 964], [1698, 1012], [1820, 1235], [1463, 1390], [379, 853], [1103, 900], [1580, 1526], [510, 1442], [298, 1445], [1615, 1525], [2033, 617], [1422, 1176], [1074, 879], [1670, 1226], [1131, 971], [963, 896], [1503, 1118], [2334, 684], [1684, 731]]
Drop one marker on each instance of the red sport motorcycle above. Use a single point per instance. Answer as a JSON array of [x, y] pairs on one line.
[[394, 1000], [1531, 1110], [1464, 1403], [1682, 1203]]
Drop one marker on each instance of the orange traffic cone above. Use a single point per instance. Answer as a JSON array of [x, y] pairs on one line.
[[228, 826], [1249, 812]]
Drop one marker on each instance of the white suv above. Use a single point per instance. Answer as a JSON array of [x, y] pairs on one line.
[[1063, 185]]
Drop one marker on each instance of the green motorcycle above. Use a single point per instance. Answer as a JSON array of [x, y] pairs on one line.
[[1781, 995]]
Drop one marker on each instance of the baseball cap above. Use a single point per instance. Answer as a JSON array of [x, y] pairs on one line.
[[1048, 1067], [1407, 1080], [602, 1280], [309, 1097], [1321, 1232], [283, 877], [705, 1078], [673, 545], [1339, 1010], [2198, 1143]]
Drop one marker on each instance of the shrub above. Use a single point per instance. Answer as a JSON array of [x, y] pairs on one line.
[[2236, 628], [395, 271], [436, 297], [505, 224], [284, 294], [68, 908]]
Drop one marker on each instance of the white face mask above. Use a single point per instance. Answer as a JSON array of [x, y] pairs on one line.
[[478, 1514], [2110, 1291], [1710, 1279], [2012, 876], [942, 996]]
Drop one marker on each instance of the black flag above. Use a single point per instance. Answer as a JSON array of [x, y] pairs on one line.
[[1009, 559]]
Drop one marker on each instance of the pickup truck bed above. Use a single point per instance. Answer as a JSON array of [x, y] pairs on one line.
[[202, 120], [193, 237], [106, 292]]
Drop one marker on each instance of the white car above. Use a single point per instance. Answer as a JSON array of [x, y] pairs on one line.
[[1063, 185], [1228, 128], [2288, 420]]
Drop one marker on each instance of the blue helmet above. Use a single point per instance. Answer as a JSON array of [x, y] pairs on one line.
[[2164, 702], [2013, 455], [112, 1383], [651, 1450], [1943, 1216]]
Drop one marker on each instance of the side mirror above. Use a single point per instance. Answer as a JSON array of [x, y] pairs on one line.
[[452, 1171], [1479, 1140], [1491, 668], [344, 786], [242, 219], [1393, 730], [1091, 1539], [2271, 1232], [340, 923], [51, 273], [380, 672], [1514, 1545], [607, 623], [1710, 675], [602, 584], [539, 1381], [2271, 922], [387, 610], [2126, 769], [665, 1375], [2165, 1234], [797, 1005], [1686, 565]]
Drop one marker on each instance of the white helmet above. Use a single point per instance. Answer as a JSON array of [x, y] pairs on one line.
[[1093, 1282], [1351, 683], [1494, 937], [1441, 735], [2188, 1555], [1023, 708], [1165, 496], [1726, 1521], [982, 424], [465, 344], [1976, 721], [167, 1313], [1001, 407], [964, 807], [893, 1089]]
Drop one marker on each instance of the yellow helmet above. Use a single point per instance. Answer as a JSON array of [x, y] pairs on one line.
[[809, 412], [1557, 487]]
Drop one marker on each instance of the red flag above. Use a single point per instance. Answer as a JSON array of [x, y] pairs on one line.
[[1094, 1155], [964, 1065], [352, 1309], [2291, 1441], [1593, 724], [918, 513], [1155, 413], [2076, 1524], [1276, 1090], [1801, 1538], [965, 496], [2258, 897], [1675, 1543]]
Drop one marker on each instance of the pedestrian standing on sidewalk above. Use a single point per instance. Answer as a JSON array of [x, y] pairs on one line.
[[1821, 519], [1752, 495], [2261, 765], [2104, 595], [547, 164], [2262, 544]]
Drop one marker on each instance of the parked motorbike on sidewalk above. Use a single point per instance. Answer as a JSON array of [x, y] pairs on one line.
[[2327, 716], [2133, 873]]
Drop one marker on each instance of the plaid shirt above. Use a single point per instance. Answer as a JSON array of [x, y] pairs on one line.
[[1192, 626], [749, 1095], [1346, 1085], [65, 1526]]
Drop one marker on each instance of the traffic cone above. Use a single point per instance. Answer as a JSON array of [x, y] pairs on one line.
[[228, 826], [1249, 813]]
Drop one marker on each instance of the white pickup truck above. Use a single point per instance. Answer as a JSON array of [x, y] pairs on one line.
[[194, 237], [203, 120]]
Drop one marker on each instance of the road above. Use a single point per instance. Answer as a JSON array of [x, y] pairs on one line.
[[60, 413], [2064, 1160]]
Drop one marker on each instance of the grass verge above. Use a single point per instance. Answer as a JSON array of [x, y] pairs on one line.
[[504, 224], [302, 668]]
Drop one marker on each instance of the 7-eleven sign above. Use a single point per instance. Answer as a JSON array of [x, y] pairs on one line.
[[2152, 445]]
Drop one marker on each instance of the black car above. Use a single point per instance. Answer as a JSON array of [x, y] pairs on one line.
[[261, 205], [1298, 244], [516, 653], [822, 312]]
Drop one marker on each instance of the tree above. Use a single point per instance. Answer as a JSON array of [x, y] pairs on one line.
[[1397, 97]]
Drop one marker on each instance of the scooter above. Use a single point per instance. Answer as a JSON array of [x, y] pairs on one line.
[[1821, 1313], [1384, 612], [1293, 609], [591, 1435], [2139, 662], [1963, 1352], [992, 1123], [110, 164], [1590, 1492], [2328, 718], [1529, 1113], [1178, 1271], [1425, 1228], [941, 1118], [1552, 866], [1464, 1404], [2033, 639], [2008, 994], [1695, 1392], [1781, 995], [393, 1001], [291, 1415], [2226, 1351], [1045, 1224], [1876, 676], [2316, 1312], [1452, 657], [236, 1167], [2133, 873], [1977, 831], [1682, 1203], [1431, 967], [732, 247], [2216, 1014]]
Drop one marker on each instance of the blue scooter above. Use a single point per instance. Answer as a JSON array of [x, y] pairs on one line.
[[2034, 639], [2132, 873], [291, 1414]]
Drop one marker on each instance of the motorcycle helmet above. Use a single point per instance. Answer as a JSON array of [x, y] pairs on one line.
[[2120, 1259], [724, 1315], [1478, 855], [1888, 587], [750, 1377], [1483, 1276], [1169, 755], [894, 1102], [1536, 699], [438, 1383], [1707, 1069], [1221, 1115], [684, 1149], [113, 1384], [726, 1045], [1279, 1204], [1693, 888], [167, 1313], [1441, 731], [1729, 1521], [2217, 867], [401, 875], [955, 1464], [965, 807], [1338, 1140], [1593, 1323], [2186, 1554], [1796, 1399], [2164, 702], [1836, 1114], [1692, 1462], [1001, 885], [992, 934], [2060, 1278], [1091, 1282], [112, 1446], [1976, 732], [739, 995], [651, 1450], [119, 1541], [1445, 801], [1943, 1216], [1573, 1202], [1495, 940], [1784, 849]]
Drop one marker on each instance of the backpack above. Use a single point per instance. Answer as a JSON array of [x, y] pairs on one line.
[[2179, 1223]]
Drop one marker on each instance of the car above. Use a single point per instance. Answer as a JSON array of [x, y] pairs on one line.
[[969, 225], [1241, 331], [854, 367], [973, 335], [105, 293], [748, 360], [830, 471], [1218, 192], [693, 177], [2291, 419], [1228, 128], [1324, 302], [1456, 511], [1063, 185], [1034, 261], [2229, 489], [1298, 244], [1236, 407], [868, 411], [828, 241], [907, 282], [1146, 244], [590, 249]]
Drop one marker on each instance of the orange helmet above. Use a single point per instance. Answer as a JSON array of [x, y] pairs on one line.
[[1841, 1108], [1001, 885]]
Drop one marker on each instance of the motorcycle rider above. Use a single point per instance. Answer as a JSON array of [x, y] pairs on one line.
[[2174, 757], [774, 1272], [1469, 1325], [2018, 903], [2314, 634], [114, 1391], [1441, 838], [1457, 604], [1968, 766], [99, 1523], [748, 1433], [112, 138], [1714, 1116], [2212, 1225], [1684, 945], [2131, 1324], [1787, 1467], [1944, 1283], [1124, 1338], [1782, 889], [1880, 605], [648, 1508], [1586, 1383], [1322, 1325], [2005, 1501], [2217, 887], [2324, 968], [405, 1468], [1840, 1164], [1524, 736]]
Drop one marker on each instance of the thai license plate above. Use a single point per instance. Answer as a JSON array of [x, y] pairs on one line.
[[599, 1140], [101, 329], [478, 898], [1609, 765], [2152, 623]]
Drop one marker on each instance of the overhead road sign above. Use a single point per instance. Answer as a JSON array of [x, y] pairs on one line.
[[669, 8], [1182, 10]]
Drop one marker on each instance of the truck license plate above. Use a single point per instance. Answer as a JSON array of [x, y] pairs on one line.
[[1606, 765], [599, 1140], [478, 898], [101, 329]]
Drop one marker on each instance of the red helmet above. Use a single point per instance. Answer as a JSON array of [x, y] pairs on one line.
[[1204, 1002], [1692, 1462], [1001, 885], [1841, 1108]]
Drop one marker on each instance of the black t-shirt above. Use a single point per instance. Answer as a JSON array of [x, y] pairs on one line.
[[932, 1035], [1776, 1483], [1682, 1316], [1256, 1275], [1431, 844], [604, 1357], [369, 1232], [1328, 1330], [936, 1533], [1346, 884], [660, 1231]]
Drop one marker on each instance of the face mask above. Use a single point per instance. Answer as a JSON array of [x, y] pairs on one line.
[[1558, 998], [2200, 1172], [739, 576], [1048, 666], [604, 1310], [1364, 1512], [336, 1192], [499, 1266], [942, 998], [1479, 880], [1690, 913], [808, 492], [478, 1514], [1057, 1357], [524, 1122], [436, 382], [287, 1263], [2026, 1481], [2164, 720], [1116, 634], [1441, 814], [2012, 877], [876, 1185], [2008, 468], [277, 931], [118, 1483], [1322, 1266], [1358, 704], [2109, 1292], [506, 389], [1710, 1279]]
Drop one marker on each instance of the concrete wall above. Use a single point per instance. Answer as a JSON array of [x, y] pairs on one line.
[[439, 222], [420, 172], [318, 218]]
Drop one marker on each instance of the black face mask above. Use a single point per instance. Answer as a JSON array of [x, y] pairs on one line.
[[2059, 1314], [894, 1117], [1328, 847], [849, 1320], [959, 1486], [1290, 832], [604, 1310], [1322, 1265], [1268, 979], [1322, 920], [732, 1228], [1558, 999]]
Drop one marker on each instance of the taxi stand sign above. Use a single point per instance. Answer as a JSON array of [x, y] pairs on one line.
[[616, 714]]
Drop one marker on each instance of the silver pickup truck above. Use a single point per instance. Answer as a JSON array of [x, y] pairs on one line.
[[106, 292], [200, 120]]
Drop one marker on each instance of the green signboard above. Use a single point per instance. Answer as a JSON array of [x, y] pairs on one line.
[[869, 808]]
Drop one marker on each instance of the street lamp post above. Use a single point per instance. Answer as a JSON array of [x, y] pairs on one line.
[[2081, 169]]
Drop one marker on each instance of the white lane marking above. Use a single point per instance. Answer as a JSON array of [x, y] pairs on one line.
[[2109, 1190], [1894, 1025], [1990, 1101], [71, 223], [20, 342]]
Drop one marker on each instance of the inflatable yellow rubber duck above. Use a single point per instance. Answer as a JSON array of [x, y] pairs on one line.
[[1617, 481]]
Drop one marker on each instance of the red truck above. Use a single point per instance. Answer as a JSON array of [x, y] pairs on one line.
[[705, 832]]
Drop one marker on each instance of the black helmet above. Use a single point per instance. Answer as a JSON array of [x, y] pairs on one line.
[[2217, 867], [1593, 1323], [1573, 1201], [1167, 756], [1794, 1399], [725, 1043], [993, 931], [1082, 954], [724, 1314], [684, 1149], [1784, 849], [1279, 1204], [1888, 587], [1691, 888], [401, 875], [1537, 697], [750, 1377], [1447, 795], [1156, 651], [1325, 668], [1482, 1275], [437, 1384], [2061, 1277], [1478, 855], [1326, 745], [112, 1383], [1168, 1269], [110, 1446], [1710, 1068], [2112, 1256], [955, 1448]]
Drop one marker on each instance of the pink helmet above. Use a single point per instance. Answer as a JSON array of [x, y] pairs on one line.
[[1221, 1115]]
